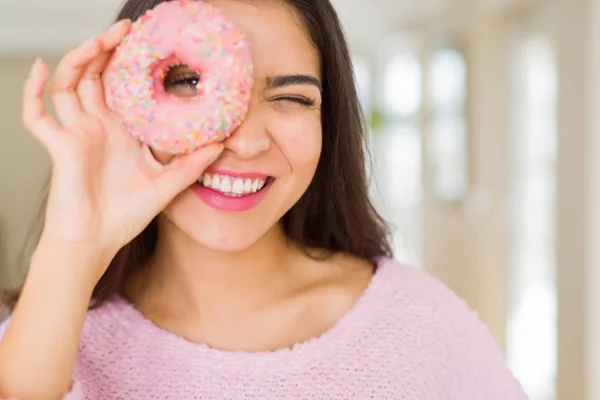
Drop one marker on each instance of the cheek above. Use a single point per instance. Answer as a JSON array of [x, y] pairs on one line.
[[300, 140]]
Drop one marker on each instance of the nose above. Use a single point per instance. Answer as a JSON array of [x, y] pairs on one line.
[[251, 137]]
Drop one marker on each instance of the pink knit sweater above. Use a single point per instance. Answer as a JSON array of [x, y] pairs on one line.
[[407, 337]]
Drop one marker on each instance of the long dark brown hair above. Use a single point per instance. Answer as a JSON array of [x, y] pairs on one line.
[[335, 213]]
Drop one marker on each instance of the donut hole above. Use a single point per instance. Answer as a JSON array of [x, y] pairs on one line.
[[181, 81]]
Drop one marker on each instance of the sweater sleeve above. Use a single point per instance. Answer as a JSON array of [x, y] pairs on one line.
[[75, 393]]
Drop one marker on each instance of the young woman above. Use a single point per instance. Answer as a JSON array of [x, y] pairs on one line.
[[285, 293]]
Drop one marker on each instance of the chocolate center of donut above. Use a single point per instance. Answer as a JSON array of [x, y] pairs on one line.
[[181, 81]]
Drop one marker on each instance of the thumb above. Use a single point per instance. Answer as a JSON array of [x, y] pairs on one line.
[[182, 172]]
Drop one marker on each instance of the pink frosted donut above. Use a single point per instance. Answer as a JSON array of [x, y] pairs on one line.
[[198, 35]]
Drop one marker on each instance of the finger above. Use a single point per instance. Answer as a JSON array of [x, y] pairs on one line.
[[34, 115], [184, 171], [90, 90], [63, 86], [162, 157], [150, 158]]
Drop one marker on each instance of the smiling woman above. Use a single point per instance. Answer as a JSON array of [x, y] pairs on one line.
[[252, 269]]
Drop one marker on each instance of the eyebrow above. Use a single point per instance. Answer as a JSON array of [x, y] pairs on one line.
[[289, 80]]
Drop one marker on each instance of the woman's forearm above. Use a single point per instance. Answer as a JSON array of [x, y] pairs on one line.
[[39, 348]]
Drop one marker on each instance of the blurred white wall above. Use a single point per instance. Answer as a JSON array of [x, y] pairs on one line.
[[23, 166]]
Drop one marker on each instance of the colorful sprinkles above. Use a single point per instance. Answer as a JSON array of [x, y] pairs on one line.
[[182, 32]]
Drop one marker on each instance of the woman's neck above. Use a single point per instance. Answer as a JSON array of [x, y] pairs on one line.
[[184, 280]]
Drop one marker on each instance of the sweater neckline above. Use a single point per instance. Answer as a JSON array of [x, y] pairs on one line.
[[347, 328]]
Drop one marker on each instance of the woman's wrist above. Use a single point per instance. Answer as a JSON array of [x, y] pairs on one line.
[[86, 262]]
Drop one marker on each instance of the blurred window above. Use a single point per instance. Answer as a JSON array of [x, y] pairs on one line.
[[532, 325], [448, 148], [397, 149]]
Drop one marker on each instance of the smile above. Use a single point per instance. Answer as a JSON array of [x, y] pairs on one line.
[[232, 192], [233, 186]]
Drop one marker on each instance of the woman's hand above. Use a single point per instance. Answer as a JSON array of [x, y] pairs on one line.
[[106, 186]]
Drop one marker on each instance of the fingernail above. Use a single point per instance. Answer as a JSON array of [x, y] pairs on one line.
[[89, 44], [120, 24], [216, 149], [34, 65]]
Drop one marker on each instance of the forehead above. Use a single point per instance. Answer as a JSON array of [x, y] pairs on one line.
[[279, 42]]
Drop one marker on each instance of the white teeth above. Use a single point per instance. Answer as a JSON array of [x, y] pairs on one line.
[[231, 186], [207, 181], [216, 182], [225, 184], [238, 186]]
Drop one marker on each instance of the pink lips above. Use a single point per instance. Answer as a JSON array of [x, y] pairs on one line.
[[219, 201]]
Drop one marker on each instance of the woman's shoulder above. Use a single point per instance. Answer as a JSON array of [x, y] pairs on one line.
[[418, 306], [429, 320], [411, 294], [409, 283], [392, 290]]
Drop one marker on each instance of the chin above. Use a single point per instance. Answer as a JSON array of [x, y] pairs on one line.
[[187, 219], [225, 239]]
